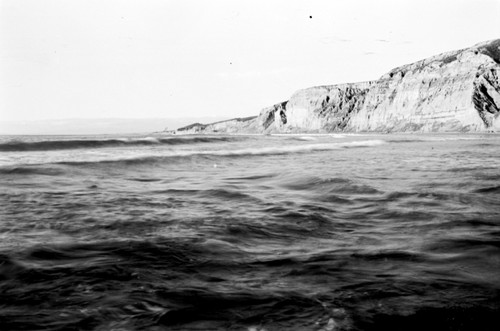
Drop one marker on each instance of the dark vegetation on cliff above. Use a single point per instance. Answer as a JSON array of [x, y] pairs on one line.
[[492, 49], [192, 126]]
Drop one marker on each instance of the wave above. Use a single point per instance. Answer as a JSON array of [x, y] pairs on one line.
[[31, 170], [406, 140], [47, 145], [329, 188], [305, 138], [489, 189], [169, 156], [413, 139], [177, 155]]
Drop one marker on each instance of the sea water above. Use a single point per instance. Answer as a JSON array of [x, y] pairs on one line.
[[289, 232]]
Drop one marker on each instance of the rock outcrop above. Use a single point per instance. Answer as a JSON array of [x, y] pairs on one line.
[[457, 91], [273, 118]]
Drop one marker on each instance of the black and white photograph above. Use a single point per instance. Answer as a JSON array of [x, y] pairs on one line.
[[263, 165]]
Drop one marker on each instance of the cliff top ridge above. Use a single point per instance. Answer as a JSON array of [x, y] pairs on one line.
[[489, 48]]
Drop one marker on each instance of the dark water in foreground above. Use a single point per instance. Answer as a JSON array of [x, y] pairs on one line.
[[374, 232]]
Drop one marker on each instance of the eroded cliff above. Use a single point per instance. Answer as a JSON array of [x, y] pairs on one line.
[[324, 108], [457, 91], [454, 91], [486, 98]]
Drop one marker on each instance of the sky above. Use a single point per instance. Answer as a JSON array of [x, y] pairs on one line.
[[136, 59]]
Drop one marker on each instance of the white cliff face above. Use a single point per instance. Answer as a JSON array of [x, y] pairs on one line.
[[431, 95], [324, 108]]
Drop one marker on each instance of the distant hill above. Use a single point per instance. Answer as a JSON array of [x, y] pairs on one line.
[[235, 125]]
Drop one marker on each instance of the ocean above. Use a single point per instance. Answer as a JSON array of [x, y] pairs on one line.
[[254, 233]]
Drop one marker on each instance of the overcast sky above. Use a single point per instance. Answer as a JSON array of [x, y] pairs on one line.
[[149, 59]]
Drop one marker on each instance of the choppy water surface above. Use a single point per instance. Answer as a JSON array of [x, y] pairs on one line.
[[337, 232]]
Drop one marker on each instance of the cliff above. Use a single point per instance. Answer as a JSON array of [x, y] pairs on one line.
[[457, 91], [454, 91], [235, 125]]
